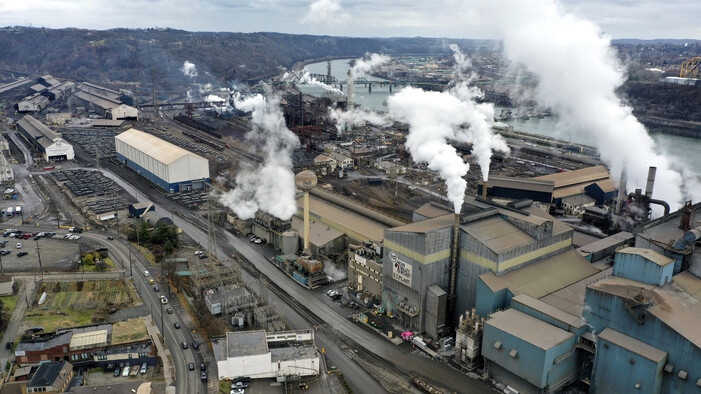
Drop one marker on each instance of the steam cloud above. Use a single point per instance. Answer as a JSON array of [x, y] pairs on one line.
[[357, 117], [189, 69], [368, 64], [305, 77], [435, 118], [270, 187], [578, 74]]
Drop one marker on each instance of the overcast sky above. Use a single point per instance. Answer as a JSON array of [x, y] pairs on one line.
[[644, 19]]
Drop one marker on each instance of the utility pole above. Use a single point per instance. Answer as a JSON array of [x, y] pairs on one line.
[[57, 216], [2, 272], [41, 270]]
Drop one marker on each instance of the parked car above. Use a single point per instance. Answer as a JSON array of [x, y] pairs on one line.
[[156, 288], [144, 368], [19, 245], [191, 366], [203, 367], [4, 252], [237, 391], [203, 376], [164, 300], [333, 294], [117, 372], [203, 256], [177, 325], [22, 254], [198, 252]]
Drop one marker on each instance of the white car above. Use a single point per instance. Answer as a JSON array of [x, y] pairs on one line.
[[146, 273], [19, 245], [164, 300], [198, 252]]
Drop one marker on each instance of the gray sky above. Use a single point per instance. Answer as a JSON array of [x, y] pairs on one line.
[[644, 19]]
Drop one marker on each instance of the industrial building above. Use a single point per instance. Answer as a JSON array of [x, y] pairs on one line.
[[574, 183], [489, 238], [261, 355], [169, 166], [105, 102], [638, 319], [93, 345], [517, 188], [45, 140], [33, 103], [51, 377], [14, 85]]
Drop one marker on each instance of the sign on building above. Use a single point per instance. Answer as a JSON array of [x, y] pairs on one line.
[[401, 270]]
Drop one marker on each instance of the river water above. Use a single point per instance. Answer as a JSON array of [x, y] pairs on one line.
[[683, 150]]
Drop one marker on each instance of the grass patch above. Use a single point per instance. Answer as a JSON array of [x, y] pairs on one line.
[[129, 331], [9, 304], [224, 386], [70, 304], [109, 265], [146, 253]]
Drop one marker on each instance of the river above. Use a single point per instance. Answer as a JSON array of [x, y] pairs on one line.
[[683, 150]]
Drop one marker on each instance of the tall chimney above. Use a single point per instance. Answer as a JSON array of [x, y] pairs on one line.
[[454, 256], [484, 190], [650, 181], [687, 212], [621, 192]]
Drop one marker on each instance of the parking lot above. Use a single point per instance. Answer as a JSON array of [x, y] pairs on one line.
[[57, 254]]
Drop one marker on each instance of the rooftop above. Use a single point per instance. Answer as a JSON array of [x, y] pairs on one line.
[[161, 150], [632, 344], [87, 340], [48, 373], [569, 178], [528, 328], [648, 254], [671, 303], [96, 99], [319, 233], [432, 210], [571, 298], [497, 234], [544, 277], [548, 310], [44, 135], [246, 343]]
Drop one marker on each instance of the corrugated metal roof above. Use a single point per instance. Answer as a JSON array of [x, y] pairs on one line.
[[528, 328], [571, 298], [607, 242], [544, 277], [549, 310], [648, 254], [95, 99], [567, 178], [320, 234], [13, 85], [632, 344], [606, 185], [152, 146], [532, 184], [360, 224], [670, 303], [689, 283], [44, 135], [497, 233], [431, 210], [427, 225]]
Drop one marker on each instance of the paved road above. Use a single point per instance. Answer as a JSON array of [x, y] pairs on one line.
[[435, 371], [187, 382]]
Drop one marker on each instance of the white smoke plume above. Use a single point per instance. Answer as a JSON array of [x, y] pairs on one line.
[[357, 117], [433, 119], [270, 187], [304, 76], [189, 69], [368, 64], [578, 75], [326, 12], [480, 116]]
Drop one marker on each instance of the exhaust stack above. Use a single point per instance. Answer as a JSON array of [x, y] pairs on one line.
[[650, 181], [455, 249], [621, 192], [484, 190]]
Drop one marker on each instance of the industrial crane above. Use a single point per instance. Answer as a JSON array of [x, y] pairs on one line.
[[690, 68]]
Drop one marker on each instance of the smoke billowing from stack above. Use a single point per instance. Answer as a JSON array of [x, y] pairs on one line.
[[435, 118], [189, 69], [353, 116], [578, 74], [269, 187], [304, 76]]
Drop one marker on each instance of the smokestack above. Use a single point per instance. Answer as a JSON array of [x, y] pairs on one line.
[[484, 190], [349, 96], [687, 212], [455, 249], [650, 181], [621, 192]]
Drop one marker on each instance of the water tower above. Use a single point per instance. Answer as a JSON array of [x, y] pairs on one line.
[[306, 181]]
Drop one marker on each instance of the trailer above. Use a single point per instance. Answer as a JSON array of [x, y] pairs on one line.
[[18, 210]]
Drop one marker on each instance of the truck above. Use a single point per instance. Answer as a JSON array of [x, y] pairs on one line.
[[10, 211]]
